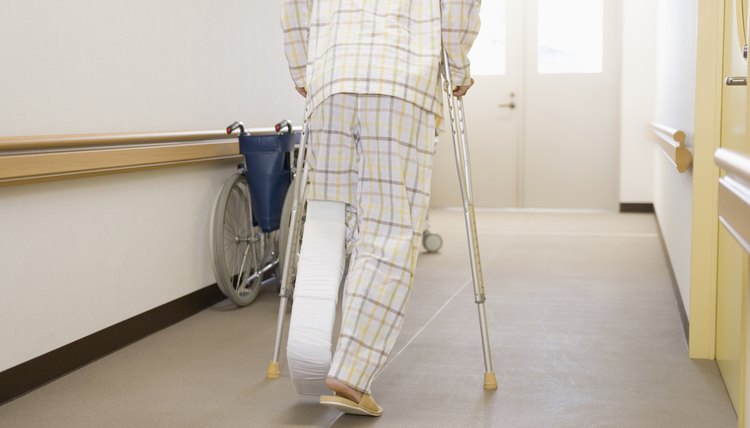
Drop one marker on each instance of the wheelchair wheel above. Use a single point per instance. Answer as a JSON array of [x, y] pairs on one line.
[[286, 219], [432, 242], [235, 243]]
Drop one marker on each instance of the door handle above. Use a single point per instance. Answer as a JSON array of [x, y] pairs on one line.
[[511, 105], [736, 81]]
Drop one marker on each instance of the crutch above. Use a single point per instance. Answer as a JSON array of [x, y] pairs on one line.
[[461, 148], [274, 371]]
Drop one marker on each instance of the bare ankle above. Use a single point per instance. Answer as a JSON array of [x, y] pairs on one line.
[[341, 388]]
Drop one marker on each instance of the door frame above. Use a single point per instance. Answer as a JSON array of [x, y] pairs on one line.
[[705, 227], [612, 21]]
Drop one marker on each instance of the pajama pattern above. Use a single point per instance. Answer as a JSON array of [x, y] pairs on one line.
[[387, 47], [374, 153], [371, 69]]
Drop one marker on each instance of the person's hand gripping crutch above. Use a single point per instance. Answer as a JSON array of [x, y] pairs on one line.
[[460, 91]]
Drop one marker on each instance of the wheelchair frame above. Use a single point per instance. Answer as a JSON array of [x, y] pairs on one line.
[[264, 252], [241, 282]]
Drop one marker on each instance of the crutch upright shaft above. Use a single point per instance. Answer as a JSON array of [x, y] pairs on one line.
[[463, 168], [274, 371]]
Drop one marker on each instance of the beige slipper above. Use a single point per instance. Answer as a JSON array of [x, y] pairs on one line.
[[367, 407]]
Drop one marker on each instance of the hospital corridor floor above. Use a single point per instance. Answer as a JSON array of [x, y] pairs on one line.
[[584, 327]]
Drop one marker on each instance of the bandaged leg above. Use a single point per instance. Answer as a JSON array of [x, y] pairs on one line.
[[319, 272]]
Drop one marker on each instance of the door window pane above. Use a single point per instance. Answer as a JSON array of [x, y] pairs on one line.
[[487, 56], [571, 36]]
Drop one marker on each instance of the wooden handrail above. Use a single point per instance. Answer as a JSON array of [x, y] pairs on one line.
[[676, 135], [734, 163], [734, 194], [46, 142], [52, 157], [672, 144]]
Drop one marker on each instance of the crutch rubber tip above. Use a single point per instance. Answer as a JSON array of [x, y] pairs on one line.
[[273, 371], [490, 381]]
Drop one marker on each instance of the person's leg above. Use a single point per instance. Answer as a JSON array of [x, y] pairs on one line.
[[319, 272], [396, 147], [331, 153], [331, 158]]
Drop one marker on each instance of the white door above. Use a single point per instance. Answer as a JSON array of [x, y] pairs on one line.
[[558, 63], [497, 68], [570, 150]]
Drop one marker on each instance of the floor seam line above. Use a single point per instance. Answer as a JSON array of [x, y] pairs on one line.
[[447, 302], [432, 318]]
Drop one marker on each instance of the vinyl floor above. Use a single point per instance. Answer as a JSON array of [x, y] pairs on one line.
[[584, 326]]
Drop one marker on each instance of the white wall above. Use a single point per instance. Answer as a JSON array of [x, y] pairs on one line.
[[140, 65], [638, 98], [675, 107], [77, 256]]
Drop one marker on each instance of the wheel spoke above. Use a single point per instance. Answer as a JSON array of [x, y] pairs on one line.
[[239, 259], [239, 284], [237, 249]]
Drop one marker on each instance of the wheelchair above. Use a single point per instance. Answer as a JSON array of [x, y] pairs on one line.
[[251, 214]]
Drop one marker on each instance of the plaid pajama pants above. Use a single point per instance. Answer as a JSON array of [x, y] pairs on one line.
[[373, 152]]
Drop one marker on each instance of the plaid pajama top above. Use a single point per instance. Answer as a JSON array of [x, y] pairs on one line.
[[386, 47]]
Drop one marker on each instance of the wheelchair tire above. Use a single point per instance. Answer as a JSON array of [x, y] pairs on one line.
[[432, 242], [234, 242]]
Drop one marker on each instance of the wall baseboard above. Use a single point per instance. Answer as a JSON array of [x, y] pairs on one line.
[[637, 208], [41, 370], [675, 288]]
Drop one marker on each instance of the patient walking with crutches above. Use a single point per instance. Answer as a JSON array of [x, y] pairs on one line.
[[370, 72]]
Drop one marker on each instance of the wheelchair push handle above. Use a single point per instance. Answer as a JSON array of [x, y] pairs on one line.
[[286, 123], [231, 128], [281, 128]]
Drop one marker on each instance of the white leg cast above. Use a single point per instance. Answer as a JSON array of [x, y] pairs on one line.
[[319, 272]]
